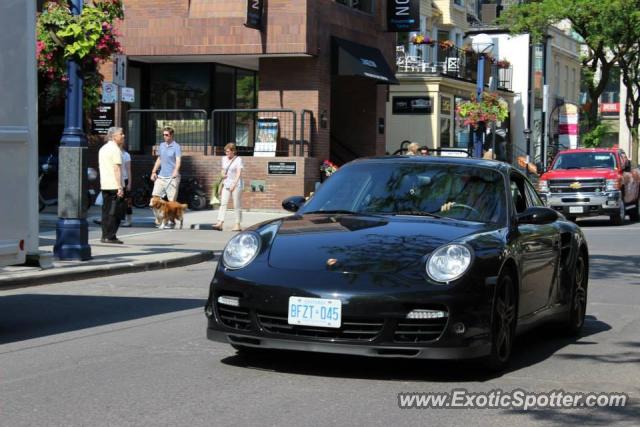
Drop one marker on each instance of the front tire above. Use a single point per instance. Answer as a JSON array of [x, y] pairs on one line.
[[578, 302], [503, 324], [618, 217]]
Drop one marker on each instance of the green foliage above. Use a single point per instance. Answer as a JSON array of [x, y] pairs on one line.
[[593, 138], [89, 39], [490, 109]]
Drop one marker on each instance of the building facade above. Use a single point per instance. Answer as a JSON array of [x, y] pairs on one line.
[[321, 62]]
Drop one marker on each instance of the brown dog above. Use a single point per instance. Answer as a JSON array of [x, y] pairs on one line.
[[166, 212]]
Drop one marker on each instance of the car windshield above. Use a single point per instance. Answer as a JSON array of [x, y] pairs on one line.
[[585, 161], [455, 191]]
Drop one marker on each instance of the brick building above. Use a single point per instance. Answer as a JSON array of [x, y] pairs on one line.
[[327, 61]]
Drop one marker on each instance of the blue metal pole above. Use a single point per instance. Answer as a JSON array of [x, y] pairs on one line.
[[72, 230], [479, 133]]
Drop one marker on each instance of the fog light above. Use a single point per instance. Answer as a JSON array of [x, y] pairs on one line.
[[459, 328], [208, 310], [226, 300], [427, 314]]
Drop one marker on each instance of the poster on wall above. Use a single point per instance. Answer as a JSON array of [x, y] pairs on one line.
[[403, 15], [254, 14], [267, 135], [102, 119]]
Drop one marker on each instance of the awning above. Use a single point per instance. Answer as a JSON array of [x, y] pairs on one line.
[[354, 59]]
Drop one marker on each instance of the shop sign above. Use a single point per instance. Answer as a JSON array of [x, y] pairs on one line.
[[127, 94], [403, 15], [412, 105], [282, 168], [267, 136], [254, 14], [102, 119]]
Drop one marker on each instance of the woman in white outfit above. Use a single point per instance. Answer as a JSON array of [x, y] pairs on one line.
[[231, 187]]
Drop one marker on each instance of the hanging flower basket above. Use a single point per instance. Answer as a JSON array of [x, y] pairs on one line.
[[503, 63], [490, 109], [421, 39], [446, 44]]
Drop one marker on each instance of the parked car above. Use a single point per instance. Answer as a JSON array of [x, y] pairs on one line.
[[418, 257], [592, 181]]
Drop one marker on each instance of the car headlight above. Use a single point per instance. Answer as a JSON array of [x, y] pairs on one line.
[[241, 250], [449, 262]]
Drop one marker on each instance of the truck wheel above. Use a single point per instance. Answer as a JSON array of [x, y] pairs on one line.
[[618, 218], [634, 214]]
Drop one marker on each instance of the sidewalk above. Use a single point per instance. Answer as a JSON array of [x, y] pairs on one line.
[[145, 247]]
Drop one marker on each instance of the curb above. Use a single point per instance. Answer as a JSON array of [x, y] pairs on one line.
[[55, 275]]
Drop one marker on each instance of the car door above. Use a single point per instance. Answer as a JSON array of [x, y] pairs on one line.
[[538, 245]]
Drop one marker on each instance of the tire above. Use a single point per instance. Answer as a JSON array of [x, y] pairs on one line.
[[578, 301], [503, 324], [618, 218], [140, 198], [197, 201], [634, 214]]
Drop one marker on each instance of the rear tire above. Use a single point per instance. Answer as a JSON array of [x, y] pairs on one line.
[[503, 324], [634, 214], [618, 218]]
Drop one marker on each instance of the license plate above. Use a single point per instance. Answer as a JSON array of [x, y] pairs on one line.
[[576, 209], [315, 312]]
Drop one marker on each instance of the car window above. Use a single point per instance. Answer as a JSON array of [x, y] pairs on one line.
[[518, 197], [532, 195], [458, 191]]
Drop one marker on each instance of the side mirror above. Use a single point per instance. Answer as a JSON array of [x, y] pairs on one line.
[[537, 215], [627, 166], [293, 203]]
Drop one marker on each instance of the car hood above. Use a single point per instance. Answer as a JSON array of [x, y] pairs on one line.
[[355, 243], [581, 173]]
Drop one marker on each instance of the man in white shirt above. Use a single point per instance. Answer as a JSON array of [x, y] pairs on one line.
[[110, 164]]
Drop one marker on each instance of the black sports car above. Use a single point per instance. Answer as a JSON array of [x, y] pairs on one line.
[[418, 257]]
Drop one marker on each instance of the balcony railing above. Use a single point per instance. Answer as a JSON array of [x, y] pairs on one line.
[[452, 62]]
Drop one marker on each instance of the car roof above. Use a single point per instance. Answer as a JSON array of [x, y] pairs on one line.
[[466, 161], [590, 150]]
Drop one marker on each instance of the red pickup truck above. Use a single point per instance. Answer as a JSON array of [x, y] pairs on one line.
[[592, 181]]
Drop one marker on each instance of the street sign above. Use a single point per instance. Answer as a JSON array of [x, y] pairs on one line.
[[120, 70], [109, 92], [127, 94]]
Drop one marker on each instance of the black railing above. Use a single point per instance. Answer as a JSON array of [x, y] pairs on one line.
[[144, 128], [245, 127], [307, 127]]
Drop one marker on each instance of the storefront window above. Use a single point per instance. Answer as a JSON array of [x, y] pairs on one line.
[[179, 86], [245, 99], [445, 121], [363, 5]]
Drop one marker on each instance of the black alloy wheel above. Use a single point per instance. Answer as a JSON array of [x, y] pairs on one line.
[[140, 198], [503, 324], [197, 201], [578, 301]]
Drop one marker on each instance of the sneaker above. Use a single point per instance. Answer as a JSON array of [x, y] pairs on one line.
[[113, 241], [125, 224]]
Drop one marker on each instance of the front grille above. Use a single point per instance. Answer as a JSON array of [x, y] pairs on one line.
[[419, 330], [587, 185], [234, 317], [351, 329]]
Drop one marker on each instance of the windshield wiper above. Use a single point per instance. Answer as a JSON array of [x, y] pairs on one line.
[[335, 211], [417, 213]]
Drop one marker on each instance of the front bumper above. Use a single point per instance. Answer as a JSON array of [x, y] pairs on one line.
[[584, 204], [374, 317]]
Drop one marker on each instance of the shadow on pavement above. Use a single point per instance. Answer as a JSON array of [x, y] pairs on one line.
[[612, 267], [605, 416], [30, 316], [530, 348]]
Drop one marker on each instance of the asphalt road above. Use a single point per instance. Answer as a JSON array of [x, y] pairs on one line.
[[131, 350]]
